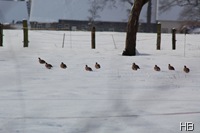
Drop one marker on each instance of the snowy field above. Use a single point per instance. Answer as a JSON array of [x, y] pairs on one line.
[[113, 99]]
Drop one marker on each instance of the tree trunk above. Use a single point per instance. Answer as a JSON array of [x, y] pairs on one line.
[[132, 28]]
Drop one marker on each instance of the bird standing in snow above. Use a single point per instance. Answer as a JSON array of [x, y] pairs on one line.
[[62, 65], [48, 66], [87, 68], [186, 69], [41, 61], [97, 66], [135, 67], [170, 67], [156, 68]]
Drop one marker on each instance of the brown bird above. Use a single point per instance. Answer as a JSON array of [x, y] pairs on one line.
[[186, 69], [156, 68], [170, 67], [88, 68], [97, 66], [135, 67], [48, 66], [41, 61], [62, 65]]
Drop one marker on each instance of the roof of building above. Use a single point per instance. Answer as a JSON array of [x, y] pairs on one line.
[[53, 10]]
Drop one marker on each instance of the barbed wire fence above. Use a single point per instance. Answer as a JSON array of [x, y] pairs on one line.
[[75, 39], [111, 40]]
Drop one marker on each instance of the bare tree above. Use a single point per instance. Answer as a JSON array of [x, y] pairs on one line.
[[167, 4], [95, 8], [191, 9], [148, 18], [132, 28], [191, 13], [133, 22]]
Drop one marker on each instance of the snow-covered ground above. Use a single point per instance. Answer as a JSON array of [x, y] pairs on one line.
[[113, 99]]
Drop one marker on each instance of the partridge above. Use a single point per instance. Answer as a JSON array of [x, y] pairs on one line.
[[88, 68], [97, 66], [170, 67], [156, 68], [186, 69], [41, 61], [135, 67], [48, 66], [62, 65]]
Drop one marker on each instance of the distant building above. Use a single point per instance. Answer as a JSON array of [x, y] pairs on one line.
[[74, 15]]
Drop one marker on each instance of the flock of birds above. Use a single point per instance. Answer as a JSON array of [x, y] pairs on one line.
[[157, 68], [97, 66], [64, 66]]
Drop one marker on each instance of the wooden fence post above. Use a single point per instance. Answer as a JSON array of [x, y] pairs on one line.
[[1, 35], [93, 38], [158, 36], [173, 39], [25, 29]]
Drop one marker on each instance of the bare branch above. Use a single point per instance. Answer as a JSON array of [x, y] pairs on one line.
[[166, 5], [95, 8], [191, 8], [128, 1]]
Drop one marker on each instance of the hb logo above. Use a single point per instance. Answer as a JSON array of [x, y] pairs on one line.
[[187, 126]]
